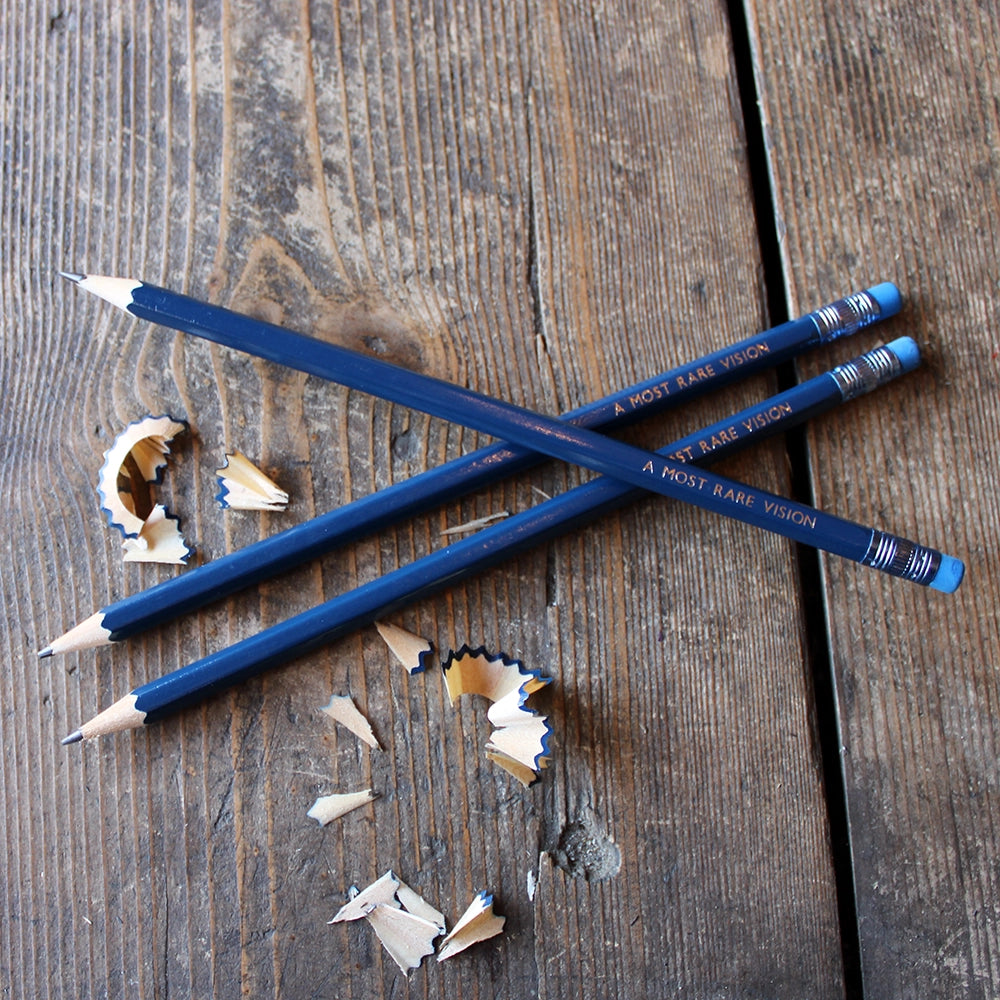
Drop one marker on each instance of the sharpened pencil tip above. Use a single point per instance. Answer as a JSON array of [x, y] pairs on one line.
[[43, 653], [71, 276], [73, 738]]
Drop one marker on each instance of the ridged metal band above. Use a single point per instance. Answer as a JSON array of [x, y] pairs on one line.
[[867, 372], [846, 316], [902, 558]]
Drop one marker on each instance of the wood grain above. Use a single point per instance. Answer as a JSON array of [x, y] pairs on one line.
[[884, 129], [540, 201]]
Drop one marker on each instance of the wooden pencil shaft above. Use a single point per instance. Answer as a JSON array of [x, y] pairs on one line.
[[387, 594], [217, 579], [514, 424]]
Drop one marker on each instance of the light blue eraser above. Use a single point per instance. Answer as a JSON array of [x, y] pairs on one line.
[[888, 298], [906, 349], [949, 575]]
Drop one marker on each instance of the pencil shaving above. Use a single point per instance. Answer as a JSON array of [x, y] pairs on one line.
[[404, 921], [407, 937], [417, 905], [136, 458], [327, 808], [242, 486], [412, 651], [520, 739], [519, 743], [159, 540], [383, 890], [341, 708], [478, 923]]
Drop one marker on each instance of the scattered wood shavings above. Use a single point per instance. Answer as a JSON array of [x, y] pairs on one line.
[[342, 709], [405, 923], [479, 522], [478, 923], [383, 890], [411, 650], [159, 540], [135, 459], [327, 808], [244, 487], [519, 742]]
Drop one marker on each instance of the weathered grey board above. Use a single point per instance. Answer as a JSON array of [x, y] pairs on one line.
[[540, 201], [884, 152]]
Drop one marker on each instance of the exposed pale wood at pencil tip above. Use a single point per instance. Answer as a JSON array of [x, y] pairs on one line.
[[120, 716], [86, 635]]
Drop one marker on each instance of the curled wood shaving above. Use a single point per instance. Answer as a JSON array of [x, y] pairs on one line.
[[159, 540], [242, 486], [136, 458], [416, 904], [383, 890], [478, 923], [341, 708], [407, 937], [411, 650], [519, 742], [327, 808]]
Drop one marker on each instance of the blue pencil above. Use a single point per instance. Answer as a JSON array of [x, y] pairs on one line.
[[516, 425], [305, 632], [223, 576]]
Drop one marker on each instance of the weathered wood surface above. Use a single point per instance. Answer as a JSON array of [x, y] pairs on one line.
[[884, 153], [540, 201]]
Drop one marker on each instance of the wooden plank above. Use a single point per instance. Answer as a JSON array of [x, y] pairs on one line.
[[883, 123], [541, 202]]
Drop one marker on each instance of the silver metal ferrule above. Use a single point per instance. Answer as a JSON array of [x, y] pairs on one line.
[[902, 558], [867, 372], [846, 316]]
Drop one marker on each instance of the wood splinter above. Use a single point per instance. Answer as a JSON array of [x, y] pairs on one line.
[[476, 525]]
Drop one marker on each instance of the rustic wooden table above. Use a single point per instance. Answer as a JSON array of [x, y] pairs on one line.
[[773, 775]]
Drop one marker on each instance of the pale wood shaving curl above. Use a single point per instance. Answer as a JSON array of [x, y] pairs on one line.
[[520, 741], [411, 650], [159, 540], [341, 708], [407, 937], [137, 456], [242, 486], [327, 808], [478, 923]]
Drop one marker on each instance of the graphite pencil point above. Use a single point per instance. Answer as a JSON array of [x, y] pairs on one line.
[[70, 276], [43, 653], [73, 738]]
